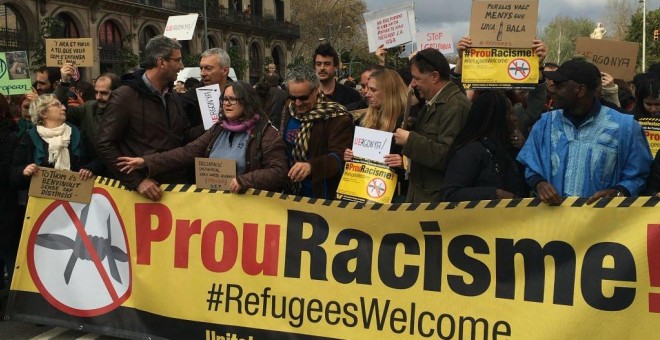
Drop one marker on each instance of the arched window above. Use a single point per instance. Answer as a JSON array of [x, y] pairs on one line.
[[147, 33], [255, 63], [13, 31], [110, 42], [70, 28]]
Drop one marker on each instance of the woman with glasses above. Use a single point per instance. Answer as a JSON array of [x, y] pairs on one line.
[[52, 143], [243, 134]]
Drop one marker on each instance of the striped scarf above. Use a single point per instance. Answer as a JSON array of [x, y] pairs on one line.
[[322, 110]]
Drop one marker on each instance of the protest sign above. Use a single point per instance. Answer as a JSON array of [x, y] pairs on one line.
[[441, 40], [651, 128], [78, 51], [61, 185], [362, 182], [485, 68], [371, 144], [14, 74], [618, 58], [390, 26], [209, 104], [181, 27], [200, 265], [214, 174], [507, 23]]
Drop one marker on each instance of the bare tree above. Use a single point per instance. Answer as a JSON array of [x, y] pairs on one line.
[[617, 18]]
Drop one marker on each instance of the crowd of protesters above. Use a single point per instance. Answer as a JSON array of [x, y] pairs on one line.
[[575, 134]]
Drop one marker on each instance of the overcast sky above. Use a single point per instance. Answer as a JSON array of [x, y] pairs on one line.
[[455, 14]]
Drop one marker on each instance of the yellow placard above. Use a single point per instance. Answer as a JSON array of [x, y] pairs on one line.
[[202, 265], [652, 131], [78, 51], [485, 68], [363, 182]]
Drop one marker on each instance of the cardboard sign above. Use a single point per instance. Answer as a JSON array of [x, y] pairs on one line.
[[63, 185], [503, 23], [14, 74], [181, 27], [78, 51], [366, 182], [441, 40], [214, 173], [652, 131], [618, 58], [209, 104], [488, 68], [392, 26], [371, 144]]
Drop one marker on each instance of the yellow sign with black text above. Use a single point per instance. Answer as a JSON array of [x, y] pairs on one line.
[[487, 68], [363, 182], [204, 265], [652, 131]]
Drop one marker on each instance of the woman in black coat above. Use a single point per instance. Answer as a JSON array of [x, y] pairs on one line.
[[10, 225]]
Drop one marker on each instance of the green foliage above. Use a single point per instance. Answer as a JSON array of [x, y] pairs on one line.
[[50, 28], [192, 60], [635, 35], [130, 59], [299, 61], [239, 64], [560, 36]]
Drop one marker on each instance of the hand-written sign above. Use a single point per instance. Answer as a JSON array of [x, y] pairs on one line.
[[438, 39], [209, 104], [78, 51], [618, 58], [390, 27], [503, 23], [14, 74], [371, 144], [62, 185], [181, 27], [214, 173]]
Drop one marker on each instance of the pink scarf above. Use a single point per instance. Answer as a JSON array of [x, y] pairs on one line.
[[240, 126]]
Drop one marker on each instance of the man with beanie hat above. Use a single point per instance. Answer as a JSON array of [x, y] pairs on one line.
[[583, 148]]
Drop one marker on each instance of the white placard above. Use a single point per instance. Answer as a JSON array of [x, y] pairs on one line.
[[391, 26], [371, 144], [181, 27], [441, 40], [209, 104]]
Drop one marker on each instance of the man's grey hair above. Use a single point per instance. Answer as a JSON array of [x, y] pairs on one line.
[[223, 56], [159, 46], [301, 74]]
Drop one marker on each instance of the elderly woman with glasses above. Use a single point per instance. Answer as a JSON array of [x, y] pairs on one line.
[[243, 134], [52, 142]]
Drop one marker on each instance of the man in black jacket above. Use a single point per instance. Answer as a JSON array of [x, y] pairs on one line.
[[214, 67]]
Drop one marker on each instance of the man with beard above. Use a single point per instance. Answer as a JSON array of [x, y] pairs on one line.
[[144, 116], [326, 61], [583, 148], [45, 80]]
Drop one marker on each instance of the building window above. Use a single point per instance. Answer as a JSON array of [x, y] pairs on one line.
[[279, 10], [110, 42], [70, 28], [255, 63], [13, 32], [146, 35]]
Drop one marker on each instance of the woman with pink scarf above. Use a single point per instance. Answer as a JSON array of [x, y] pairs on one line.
[[243, 134]]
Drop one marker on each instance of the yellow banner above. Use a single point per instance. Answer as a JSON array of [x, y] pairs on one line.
[[205, 265], [366, 182], [652, 131], [485, 68]]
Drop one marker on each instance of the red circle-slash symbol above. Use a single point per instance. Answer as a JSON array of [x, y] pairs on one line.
[[519, 69], [376, 188], [79, 258]]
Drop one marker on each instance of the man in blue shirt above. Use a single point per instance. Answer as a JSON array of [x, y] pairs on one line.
[[584, 148]]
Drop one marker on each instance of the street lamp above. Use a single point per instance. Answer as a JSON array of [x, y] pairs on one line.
[[643, 2]]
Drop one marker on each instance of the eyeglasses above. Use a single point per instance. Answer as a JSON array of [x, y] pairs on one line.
[[229, 100], [301, 98]]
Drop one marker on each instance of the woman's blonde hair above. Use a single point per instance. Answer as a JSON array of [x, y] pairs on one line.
[[39, 106], [395, 97]]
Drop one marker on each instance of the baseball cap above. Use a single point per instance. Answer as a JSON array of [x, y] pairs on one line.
[[577, 70]]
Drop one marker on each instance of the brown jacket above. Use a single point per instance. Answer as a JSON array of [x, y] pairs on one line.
[[266, 161], [137, 123], [327, 143]]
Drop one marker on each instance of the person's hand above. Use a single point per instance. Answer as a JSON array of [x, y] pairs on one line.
[[128, 164], [517, 139], [66, 72], [540, 49], [600, 194], [547, 193], [381, 52], [234, 186], [31, 96], [394, 160], [150, 189], [401, 136], [503, 194], [463, 44], [300, 171], [348, 155], [85, 174], [657, 194], [606, 80], [30, 170]]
